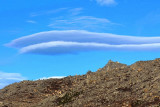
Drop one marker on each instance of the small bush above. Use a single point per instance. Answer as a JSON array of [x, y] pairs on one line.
[[68, 97], [137, 103]]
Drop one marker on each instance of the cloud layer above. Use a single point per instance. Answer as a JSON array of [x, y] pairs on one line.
[[74, 41], [9, 78]]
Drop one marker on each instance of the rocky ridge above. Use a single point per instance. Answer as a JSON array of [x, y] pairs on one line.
[[114, 85]]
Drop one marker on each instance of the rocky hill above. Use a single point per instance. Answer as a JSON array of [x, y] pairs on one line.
[[114, 85]]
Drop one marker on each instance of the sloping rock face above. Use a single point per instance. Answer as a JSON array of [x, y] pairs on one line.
[[114, 85]]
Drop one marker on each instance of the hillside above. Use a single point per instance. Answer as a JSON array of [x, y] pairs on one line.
[[114, 85]]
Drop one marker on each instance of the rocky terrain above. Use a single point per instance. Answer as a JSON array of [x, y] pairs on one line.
[[114, 85]]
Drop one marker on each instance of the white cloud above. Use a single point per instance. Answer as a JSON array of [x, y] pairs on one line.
[[74, 41], [9, 78], [54, 77], [47, 12], [72, 19], [71, 11], [106, 2], [31, 21], [80, 23], [75, 11], [61, 47]]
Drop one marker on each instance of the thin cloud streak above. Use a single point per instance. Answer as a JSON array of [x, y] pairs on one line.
[[31, 21], [54, 77], [15, 76], [60, 47], [40, 13], [9, 78], [80, 23], [75, 11], [106, 2]]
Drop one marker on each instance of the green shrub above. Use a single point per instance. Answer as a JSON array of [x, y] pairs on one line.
[[68, 97]]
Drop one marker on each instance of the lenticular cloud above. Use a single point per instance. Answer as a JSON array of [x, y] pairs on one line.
[[74, 41]]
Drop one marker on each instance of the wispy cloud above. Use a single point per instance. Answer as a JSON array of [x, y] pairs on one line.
[[106, 2], [47, 12], [75, 11], [75, 41], [31, 21], [9, 78], [72, 19], [81, 23]]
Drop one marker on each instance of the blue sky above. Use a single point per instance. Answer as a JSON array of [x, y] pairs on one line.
[[41, 39]]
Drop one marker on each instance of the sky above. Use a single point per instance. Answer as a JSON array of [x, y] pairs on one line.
[[57, 38]]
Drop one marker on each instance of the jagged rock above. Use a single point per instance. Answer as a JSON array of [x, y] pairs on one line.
[[112, 65]]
